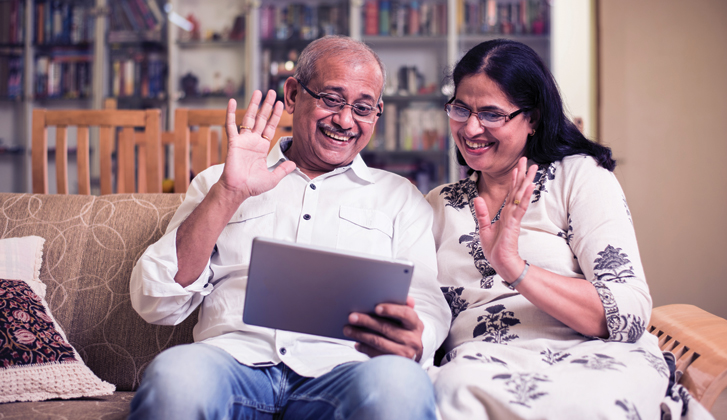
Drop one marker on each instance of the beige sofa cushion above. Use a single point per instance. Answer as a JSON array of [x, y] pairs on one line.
[[92, 243]]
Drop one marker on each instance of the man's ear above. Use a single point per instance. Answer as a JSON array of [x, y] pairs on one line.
[[291, 90]]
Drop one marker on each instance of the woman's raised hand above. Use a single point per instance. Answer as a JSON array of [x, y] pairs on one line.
[[500, 239], [246, 173]]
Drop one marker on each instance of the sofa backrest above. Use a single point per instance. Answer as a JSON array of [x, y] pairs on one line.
[[92, 244]]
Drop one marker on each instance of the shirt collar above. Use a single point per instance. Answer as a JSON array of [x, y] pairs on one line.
[[358, 166]]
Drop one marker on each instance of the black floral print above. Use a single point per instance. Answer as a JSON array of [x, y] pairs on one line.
[[567, 235], [495, 325], [454, 299], [553, 358], [656, 362], [626, 328], [631, 412], [544, 174], [611, 265], [472, 242], [458, 196], [614, 266], [599, 361], [485, 359], [524, 386], [27, 333]]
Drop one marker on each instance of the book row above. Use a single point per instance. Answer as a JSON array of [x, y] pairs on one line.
[[302, 21], [141, 75], [135, 15], [11, 22], [503, 17], [62, 23], [65, 74], [399, 18], [11, 77]]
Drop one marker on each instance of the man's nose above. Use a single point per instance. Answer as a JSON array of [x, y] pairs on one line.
[[344, 117]]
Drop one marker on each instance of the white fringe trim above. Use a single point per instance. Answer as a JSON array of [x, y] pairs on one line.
[[51, 380]]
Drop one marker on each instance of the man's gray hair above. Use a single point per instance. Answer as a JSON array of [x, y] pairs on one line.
[[343, 48]]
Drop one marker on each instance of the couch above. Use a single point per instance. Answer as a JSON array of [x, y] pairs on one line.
[[92, 243]]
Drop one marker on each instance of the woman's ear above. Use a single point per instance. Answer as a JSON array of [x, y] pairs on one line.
[[534, 118], [290, 90]]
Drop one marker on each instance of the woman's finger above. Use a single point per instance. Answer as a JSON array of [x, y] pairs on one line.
[[483, 216]]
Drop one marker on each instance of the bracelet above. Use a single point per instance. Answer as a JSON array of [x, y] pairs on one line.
[[514, 284]]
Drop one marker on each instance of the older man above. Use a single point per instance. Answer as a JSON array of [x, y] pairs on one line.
[[312, 188]]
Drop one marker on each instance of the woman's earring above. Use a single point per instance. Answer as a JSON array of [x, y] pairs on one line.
[[533, 133]]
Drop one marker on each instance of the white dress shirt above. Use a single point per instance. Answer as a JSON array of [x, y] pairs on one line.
[[353, 208]]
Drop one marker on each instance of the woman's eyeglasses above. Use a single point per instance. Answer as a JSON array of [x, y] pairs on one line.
[[487, 119], [334, 103]]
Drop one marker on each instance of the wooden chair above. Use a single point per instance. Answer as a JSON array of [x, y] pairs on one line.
[[204, 144], [698, 340], [108, 120]]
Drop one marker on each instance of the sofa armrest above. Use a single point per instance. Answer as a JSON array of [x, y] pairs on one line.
[[698, 340]]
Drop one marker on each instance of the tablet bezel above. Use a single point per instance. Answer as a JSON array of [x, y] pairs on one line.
[[312, 290]]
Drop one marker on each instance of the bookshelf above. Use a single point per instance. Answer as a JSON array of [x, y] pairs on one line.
[[137, 50], [237, 47], [419, 42]]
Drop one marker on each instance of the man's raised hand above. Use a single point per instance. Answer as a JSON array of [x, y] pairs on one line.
[[246, 173]]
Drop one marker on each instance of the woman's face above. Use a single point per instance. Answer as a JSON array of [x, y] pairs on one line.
[[493, 151]]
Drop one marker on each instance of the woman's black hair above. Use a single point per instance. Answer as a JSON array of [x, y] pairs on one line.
[[527, 82]]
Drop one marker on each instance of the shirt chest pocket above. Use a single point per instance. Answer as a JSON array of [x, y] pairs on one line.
[[365, 230], [235, 242]]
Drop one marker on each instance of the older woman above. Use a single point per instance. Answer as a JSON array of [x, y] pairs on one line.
[[538, 259]]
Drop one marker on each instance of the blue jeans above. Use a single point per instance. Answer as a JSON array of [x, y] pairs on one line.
[[196, 381]]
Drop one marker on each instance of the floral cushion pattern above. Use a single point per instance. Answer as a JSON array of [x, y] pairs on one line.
[[27, 335]]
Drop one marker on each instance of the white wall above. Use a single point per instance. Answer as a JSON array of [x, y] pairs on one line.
[[573, 59], [664, 113]]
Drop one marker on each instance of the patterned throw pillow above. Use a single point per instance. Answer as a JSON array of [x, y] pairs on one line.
[[36, 361]]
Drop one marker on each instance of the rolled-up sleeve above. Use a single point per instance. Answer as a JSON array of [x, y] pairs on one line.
[[155, 295]]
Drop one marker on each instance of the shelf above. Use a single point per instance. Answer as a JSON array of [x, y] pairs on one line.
[[428, 41], [211, 44]]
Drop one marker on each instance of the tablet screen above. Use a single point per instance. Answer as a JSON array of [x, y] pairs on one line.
[[312, 290]]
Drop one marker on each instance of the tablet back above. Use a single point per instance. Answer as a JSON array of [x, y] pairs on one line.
[[312, 290]]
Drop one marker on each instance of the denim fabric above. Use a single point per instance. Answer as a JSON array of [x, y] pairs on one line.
[[200, 381]]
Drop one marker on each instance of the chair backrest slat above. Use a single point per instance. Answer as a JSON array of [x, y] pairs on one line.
[[105, 139], [125, 180], [62, 159], [83, 160]]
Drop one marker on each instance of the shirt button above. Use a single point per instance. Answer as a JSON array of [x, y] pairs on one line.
[[306, 217], [283, 351], [313, 186]]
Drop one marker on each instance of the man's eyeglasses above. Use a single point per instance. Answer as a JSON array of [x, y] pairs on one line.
[[487, 119], [334, 103]]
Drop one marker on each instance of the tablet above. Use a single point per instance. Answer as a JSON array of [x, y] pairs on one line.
[[312, 290]]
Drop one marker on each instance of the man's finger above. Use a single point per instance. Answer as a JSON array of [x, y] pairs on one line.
[[230, 124], [404, 314]]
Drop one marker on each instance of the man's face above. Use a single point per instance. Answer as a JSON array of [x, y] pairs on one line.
[[324, 140]]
